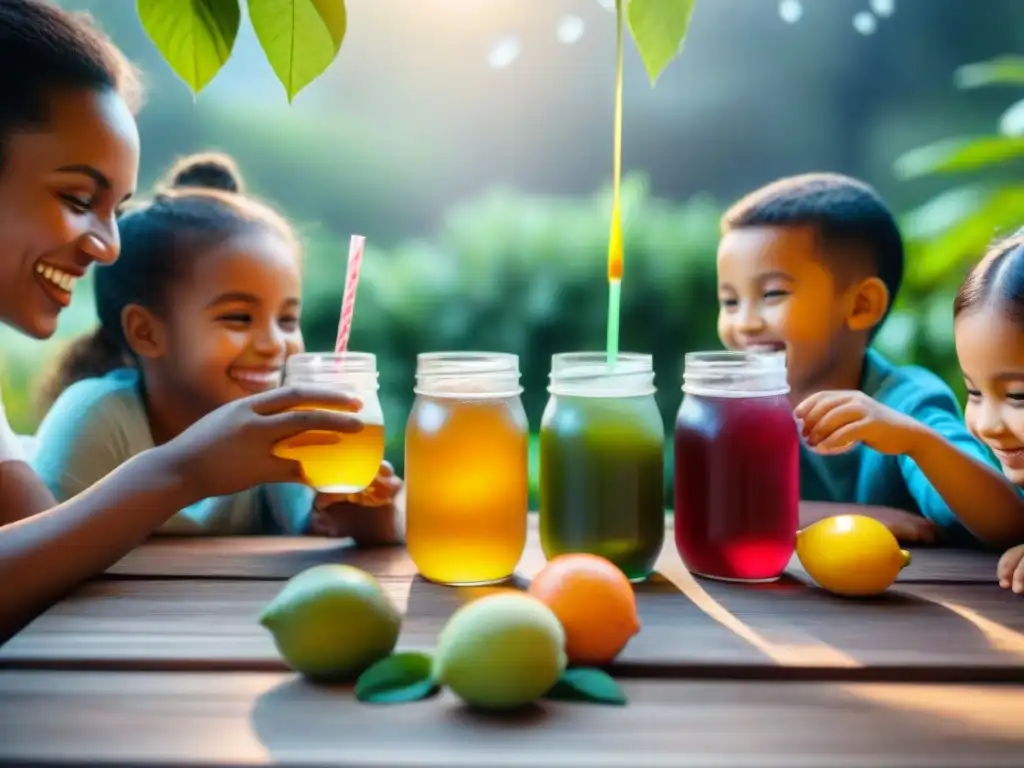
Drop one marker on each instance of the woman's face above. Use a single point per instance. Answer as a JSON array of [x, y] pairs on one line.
[[60, 188]]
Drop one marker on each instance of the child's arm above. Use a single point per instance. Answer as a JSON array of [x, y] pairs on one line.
[[945, 469], [950, 476], [1010, 571], [907, 527]]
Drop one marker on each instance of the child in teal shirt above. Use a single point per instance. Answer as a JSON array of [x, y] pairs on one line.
[[810, 265]]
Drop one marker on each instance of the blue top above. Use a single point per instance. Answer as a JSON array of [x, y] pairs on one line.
[[865, 476], [98, 424]]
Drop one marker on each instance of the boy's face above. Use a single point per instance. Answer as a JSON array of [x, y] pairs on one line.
[[775, 293]]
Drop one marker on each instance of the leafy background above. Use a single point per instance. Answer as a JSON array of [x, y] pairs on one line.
[[470, 141]]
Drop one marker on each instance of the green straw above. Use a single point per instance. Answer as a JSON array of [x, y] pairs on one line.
[[615, 255]]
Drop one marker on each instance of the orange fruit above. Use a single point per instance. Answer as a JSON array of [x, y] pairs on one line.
[[595, 603]]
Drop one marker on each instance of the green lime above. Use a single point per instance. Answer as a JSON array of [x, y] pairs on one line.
[[332, 622], [501, 652]]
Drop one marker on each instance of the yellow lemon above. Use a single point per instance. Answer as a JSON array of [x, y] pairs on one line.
[[851, 555]]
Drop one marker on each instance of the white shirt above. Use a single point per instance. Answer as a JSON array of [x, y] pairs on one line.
[[11, 448]]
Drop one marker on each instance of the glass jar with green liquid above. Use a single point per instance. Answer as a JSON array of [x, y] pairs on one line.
[[602, 461]]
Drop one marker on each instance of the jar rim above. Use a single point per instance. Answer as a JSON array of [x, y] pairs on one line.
[[589, 374], [735, 358], [461, 374], [735, 373], [333, 362], [429, 363]]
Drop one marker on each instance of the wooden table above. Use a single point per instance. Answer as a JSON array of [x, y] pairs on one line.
[[162, 661]]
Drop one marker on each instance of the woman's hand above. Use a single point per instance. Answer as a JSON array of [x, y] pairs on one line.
[[232, 448]]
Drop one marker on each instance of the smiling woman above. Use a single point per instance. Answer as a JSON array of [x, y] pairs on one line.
[[60, 187]]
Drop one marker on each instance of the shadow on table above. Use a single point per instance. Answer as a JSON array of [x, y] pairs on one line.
[[904, 633], [694, 722], [301, 718]]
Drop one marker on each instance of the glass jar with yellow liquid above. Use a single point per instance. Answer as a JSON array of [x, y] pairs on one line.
[[348, 463], [466, 479]]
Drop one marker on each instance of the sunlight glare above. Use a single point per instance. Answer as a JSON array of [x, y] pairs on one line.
[[791, 11], [570, 29], [883, 8], [504, 52], [865, 22]]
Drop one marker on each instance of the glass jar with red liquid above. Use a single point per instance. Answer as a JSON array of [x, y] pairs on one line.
[[737, 467]]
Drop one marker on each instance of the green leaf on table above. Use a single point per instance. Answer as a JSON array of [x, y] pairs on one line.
[[195, 37], [585, 684], [300, 37], [659, 30], [959, 155], [1003, 70], [398, 678]]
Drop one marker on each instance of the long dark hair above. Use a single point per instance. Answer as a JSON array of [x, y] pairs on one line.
[[200, 204]]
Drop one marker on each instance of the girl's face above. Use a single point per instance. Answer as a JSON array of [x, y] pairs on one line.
[[231, 323], [991, 352], [60, 188]]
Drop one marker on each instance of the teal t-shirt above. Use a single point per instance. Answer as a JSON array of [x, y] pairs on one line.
[[865, 476], [98, 424]]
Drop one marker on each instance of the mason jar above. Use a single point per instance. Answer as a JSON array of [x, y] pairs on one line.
[[602, 461], [737, 467], [466, 468]]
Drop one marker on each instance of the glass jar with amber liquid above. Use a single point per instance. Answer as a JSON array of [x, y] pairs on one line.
[[466, 476]]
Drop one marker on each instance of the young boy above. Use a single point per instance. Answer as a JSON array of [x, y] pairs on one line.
[[811, 265]]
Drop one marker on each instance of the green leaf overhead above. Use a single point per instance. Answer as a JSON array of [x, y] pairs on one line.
[[398, 678], [959, 155], [195, 37], [659, 30], [300, 37], [1004, 70], [585, 684], [946, 235]]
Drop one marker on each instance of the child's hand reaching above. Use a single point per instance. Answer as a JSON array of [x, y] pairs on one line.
[[369, 517], [907, 527], [833, 421], [1010, 570]]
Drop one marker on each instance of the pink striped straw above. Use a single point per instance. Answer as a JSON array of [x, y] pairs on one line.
[[348, 302]]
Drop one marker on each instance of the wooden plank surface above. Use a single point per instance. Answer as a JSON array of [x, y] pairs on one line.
[[247, 719], [690, 629], [283, 557], [254, 557]]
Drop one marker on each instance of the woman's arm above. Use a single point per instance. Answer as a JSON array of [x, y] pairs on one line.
[[85, 436], [43, 556]]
